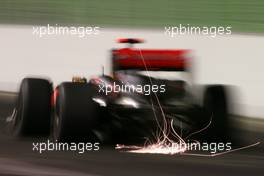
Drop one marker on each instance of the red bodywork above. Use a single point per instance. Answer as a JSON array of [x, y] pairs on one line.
[[147, 59], [143, 59], [54, 97]]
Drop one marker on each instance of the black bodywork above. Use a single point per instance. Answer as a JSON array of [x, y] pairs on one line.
[[126, 122]]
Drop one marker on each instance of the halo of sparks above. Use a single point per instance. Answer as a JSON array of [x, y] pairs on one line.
[[165, 144]]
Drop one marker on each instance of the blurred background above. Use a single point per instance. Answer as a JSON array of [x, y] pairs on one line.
[[236, 60], [243, 16]]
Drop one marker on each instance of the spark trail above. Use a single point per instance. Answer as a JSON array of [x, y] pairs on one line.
[[164, 143]]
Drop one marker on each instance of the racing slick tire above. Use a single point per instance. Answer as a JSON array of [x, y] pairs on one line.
[[75, 113], [33, 109], [216, 106]]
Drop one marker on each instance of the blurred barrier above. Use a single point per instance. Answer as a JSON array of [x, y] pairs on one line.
[[243, 16], [234, 60]]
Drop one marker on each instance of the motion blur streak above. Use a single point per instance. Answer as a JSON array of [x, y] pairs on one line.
[[13, 167], [221, 153]]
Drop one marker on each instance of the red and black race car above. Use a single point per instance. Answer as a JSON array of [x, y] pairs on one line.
[[147, 88]]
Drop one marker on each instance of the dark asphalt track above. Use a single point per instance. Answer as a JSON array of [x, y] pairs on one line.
[[17, 157]]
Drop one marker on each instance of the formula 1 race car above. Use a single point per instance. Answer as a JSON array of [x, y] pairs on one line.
[[146, 89]]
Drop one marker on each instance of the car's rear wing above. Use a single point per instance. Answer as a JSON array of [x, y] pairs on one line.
[[147, 59]]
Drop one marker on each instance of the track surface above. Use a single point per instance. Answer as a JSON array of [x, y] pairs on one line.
[[17, 157]]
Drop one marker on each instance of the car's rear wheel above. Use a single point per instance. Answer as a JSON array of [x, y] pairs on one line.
[[76, 114], [33, 108], [216, 106]]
